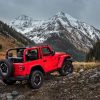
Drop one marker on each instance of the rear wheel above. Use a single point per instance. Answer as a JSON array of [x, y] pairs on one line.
[[66, 68], [36, 79], [9, 82]]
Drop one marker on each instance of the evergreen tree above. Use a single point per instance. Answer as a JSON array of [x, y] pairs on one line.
[[94, 53]]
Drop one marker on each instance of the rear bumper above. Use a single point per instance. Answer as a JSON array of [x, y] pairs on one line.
[[18, 78]]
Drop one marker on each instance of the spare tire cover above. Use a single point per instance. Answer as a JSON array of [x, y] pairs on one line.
[[6, 68]]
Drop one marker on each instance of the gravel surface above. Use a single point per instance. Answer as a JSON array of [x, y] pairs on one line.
[[81, 85]]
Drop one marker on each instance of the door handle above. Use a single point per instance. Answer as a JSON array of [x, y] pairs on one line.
[[44, 60]]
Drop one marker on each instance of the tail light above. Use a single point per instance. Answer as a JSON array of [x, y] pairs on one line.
[[22, 68]]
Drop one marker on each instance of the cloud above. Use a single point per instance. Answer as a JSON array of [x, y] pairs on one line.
[[91, 13], [85, 10]]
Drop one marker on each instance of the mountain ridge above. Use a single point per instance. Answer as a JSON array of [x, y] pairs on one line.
[[79, 34]]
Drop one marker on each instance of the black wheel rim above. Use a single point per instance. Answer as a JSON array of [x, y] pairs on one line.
[[3, 69], [36, 79]]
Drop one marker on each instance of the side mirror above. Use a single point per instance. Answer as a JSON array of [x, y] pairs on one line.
[[53, 52]]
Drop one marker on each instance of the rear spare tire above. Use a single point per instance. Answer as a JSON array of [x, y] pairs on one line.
[[6, 68]]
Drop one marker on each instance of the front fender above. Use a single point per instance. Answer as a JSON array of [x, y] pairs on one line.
[[62, 58]]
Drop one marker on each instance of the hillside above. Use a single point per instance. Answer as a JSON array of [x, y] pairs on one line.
[[62, 31], [9, 38]]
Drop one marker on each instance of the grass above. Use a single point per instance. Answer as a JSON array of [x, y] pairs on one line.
[[85, 65]]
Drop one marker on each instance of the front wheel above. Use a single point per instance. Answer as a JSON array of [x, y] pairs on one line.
[[66, 68], [9, 82], [36, 79]]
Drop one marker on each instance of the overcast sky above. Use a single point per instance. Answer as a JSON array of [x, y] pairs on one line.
[[84, 10]]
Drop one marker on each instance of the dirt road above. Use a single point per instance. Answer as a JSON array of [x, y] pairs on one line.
[[81, 85]]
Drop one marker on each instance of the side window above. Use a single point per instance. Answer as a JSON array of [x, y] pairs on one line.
[[46, 51], [32, 55]]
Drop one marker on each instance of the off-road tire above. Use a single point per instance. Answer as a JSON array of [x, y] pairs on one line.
[[36, 79], [66, 68]]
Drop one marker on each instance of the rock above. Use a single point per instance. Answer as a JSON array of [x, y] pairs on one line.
[[85, 88], [72, 97], [81, 70], [1, 82], [3, 96], [15, 93], [70, 76], [98, 68], [65, 90], [20, 97], [89, 73], [0, 94], [9, 96], [63, 82], [98, 72], [92, 87], [94, 78], [81, 81], [97, 97], [75, 74]]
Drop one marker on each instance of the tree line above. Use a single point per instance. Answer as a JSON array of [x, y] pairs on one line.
[[94, 53]]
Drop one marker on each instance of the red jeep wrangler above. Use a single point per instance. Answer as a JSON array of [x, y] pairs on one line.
[[32, 63]]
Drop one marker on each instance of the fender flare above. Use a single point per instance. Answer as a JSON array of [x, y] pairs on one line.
[[62, 59], [37, 67]]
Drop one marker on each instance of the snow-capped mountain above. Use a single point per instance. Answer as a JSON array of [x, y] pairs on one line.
[[22, 23], [61, 26]]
